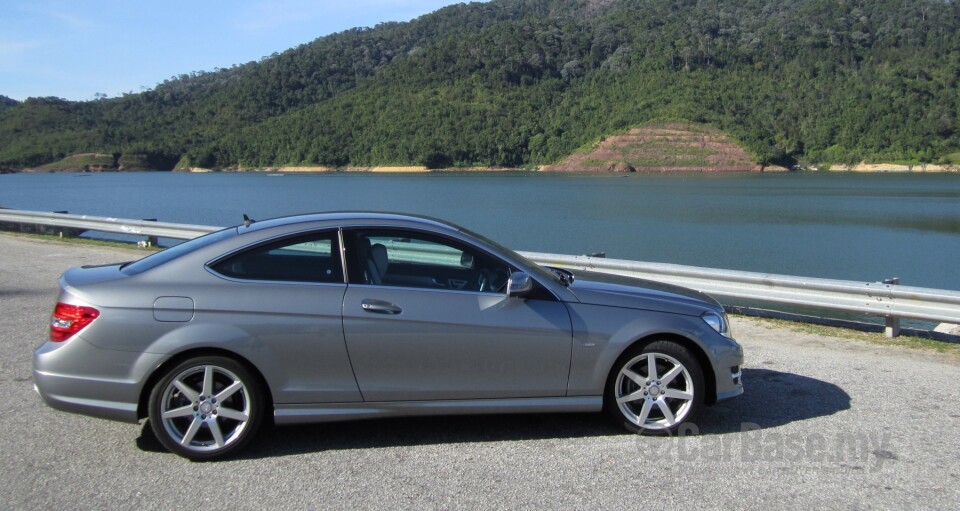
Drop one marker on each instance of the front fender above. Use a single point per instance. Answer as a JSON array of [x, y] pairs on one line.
[[601, 334]]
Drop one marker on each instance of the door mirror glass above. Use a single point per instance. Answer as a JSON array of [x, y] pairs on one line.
[[520, 284]]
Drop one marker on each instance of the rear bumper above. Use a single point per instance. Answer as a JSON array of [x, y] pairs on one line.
[[113, 410], [63, 375]]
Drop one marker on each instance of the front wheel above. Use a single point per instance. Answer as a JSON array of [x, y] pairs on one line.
[[655, 389], [206, 408]]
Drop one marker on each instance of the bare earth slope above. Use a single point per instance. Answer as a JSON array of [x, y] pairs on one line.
[[663, 147]]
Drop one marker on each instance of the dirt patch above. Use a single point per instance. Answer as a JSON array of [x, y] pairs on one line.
[[662, 147]]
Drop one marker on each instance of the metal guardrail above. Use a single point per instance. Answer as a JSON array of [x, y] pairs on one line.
[[106, 224], [873, 298]]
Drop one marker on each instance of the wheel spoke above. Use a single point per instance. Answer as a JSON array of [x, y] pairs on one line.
[[208, 381], [229, 391], [228, 413], [639, 380], [191, 432], [667, 412], [644, 412], [186, 391], [651, 366], [631, 397], [678, 394], [215, 431], [183, 411], [671, 374]]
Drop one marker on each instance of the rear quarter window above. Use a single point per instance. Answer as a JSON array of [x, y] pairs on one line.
[[313, 258]]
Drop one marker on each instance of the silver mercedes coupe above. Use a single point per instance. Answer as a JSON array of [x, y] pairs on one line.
[[342, 316]]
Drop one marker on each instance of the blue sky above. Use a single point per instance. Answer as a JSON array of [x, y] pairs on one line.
[[74, 49]]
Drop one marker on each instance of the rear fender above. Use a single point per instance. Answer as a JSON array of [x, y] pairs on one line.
[[221, 337]]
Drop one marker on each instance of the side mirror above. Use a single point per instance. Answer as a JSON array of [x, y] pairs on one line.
[[520, 284]]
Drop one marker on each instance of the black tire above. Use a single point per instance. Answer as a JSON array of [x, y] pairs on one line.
[[205, 427], [660, 405]]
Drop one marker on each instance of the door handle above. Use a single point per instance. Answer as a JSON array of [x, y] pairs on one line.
[[380, 307]]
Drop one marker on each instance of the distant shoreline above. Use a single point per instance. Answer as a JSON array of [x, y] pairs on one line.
[[399, 169], [863, 168]]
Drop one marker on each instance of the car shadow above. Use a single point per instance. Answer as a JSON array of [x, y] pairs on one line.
[[772, 399], [411, 431]]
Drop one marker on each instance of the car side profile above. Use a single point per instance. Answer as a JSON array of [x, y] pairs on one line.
[[342, 316]]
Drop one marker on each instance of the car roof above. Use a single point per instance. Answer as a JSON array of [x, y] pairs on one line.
[[349, 217]]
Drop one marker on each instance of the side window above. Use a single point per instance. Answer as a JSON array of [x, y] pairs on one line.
[[308, 258], [413, 259]]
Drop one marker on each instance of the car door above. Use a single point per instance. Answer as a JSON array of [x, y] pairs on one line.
[[425, 317]]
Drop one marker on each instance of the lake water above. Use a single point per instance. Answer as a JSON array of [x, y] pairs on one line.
[[832, 225]]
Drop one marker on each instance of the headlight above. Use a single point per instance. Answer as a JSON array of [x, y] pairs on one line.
[[717, 322]]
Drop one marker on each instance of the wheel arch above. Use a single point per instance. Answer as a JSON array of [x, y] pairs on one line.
[[160, 371], [709, 376]]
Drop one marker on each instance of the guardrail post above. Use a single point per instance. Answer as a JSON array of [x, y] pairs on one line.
[[62, 232], [893, 323], [151, 240]]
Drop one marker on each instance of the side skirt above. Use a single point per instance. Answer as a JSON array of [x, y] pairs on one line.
[[333, 412]]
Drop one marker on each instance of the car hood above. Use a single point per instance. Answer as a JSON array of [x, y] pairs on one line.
[[633, 293]]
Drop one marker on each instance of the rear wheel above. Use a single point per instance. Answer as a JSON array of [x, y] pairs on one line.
[[206, 408], [655, 389]]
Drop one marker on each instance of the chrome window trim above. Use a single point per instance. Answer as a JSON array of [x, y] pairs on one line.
[[273, 282], [429, 289]]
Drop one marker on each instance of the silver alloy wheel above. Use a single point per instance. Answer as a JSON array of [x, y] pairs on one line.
[[654, 391], [205, 408]]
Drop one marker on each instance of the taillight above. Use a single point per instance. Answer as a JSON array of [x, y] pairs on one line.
[[69, 319]]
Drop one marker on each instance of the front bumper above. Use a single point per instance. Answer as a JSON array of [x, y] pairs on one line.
[[729, 373]]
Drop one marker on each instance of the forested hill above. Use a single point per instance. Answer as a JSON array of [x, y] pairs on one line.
[[6, 102], [522, 82]]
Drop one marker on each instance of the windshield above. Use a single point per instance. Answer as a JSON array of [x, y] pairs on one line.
[[154, 260]]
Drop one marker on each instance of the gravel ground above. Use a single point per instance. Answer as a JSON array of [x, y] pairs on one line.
[[825, 423]]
